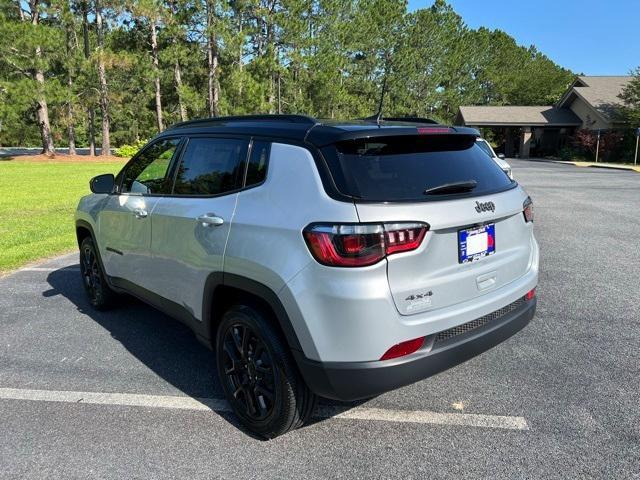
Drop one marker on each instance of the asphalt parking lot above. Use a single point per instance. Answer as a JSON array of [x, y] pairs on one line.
[[131, 394]]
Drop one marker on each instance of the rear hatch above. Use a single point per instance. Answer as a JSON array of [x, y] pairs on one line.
[[478, 239]]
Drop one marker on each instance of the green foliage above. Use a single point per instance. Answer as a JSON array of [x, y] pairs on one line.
[[631, 97], [327, 58], [128, 151], [566, 154]]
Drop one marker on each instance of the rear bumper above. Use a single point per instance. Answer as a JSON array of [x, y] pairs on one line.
[[356, 380]]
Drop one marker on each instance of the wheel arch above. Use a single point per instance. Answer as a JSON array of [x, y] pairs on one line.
[[84, 230], [223, 290]]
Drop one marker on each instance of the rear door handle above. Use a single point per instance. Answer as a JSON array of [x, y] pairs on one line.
[[210, 220], [140, 212]]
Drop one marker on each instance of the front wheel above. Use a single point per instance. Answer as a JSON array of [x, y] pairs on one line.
[[258, 375], [100, 295]]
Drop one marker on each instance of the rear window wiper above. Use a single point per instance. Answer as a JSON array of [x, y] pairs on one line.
[[455, 187]]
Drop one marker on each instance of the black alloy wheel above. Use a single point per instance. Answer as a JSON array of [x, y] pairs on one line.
[[258, 374], [99, 294], [249, 370]]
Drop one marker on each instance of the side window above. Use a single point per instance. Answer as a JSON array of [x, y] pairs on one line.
[[257, 167], [149, 171], [211, 166]]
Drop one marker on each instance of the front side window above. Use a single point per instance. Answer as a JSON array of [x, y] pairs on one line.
[[211, 166], [148, 173]]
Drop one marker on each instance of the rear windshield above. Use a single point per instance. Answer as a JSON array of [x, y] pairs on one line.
[[402, 168]]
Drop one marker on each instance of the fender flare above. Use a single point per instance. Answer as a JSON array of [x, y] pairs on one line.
[[257, 289]]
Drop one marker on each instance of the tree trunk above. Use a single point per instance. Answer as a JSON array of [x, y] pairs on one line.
[[178, 78], [71, 131], [279, 96], [42, 109], [42, 113], [240, 51], [87, 54], [102, 78], [71, 46], [212, 60], [20, 11], [156, 71]]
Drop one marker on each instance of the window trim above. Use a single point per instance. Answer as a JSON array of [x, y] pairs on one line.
[[170, 167]]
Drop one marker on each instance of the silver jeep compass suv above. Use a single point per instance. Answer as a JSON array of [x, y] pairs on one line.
[[332, 259]]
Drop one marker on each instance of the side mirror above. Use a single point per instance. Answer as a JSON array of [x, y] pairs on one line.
[[501, 156], [102, 183]]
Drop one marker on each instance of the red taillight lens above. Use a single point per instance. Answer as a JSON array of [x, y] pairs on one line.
[[402, 237], [527, 210], [359, 245], [402, 349], [530, 294], [346, 245]]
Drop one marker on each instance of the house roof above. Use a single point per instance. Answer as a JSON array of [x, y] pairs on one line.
[[517, 116], [599, 92]]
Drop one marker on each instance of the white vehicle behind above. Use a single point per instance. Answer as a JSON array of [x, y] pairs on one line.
[[498, 158]]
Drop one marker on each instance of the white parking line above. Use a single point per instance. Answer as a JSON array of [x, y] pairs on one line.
[[219, 405], [49, 269]]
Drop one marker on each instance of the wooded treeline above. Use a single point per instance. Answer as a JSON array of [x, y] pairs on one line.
[[111, 72]]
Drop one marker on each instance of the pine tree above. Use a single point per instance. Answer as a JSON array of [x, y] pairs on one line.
[[27, 47]]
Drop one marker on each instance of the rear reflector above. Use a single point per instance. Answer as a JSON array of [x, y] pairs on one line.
[[402, 349], [530, 294], [360, 245]]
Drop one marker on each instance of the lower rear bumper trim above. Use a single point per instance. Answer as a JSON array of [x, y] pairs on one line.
[[348, 381]]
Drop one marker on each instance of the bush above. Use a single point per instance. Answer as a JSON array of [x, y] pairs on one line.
[[129, 150], [585, 141], [566, 154]]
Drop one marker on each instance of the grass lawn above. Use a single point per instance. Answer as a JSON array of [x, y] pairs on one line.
[[37, 202]]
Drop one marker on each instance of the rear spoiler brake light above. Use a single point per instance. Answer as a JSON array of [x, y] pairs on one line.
[[434, 130]]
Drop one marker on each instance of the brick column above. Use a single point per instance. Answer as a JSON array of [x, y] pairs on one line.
[[525, 142]]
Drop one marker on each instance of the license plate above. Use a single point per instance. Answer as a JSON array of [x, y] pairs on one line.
[[475, 243]]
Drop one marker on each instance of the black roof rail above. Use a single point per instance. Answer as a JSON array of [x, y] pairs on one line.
[[403, 119], [302, 119]]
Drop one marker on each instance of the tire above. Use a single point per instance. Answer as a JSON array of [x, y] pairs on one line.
[[258, 375], [95, 284]]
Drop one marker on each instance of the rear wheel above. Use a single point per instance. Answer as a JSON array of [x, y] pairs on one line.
[[100, 295], [258, 375]]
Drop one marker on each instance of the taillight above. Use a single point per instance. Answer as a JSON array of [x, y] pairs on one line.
[[403, 237], [527, 210], [359, 245], [402, 349], [530, 294]]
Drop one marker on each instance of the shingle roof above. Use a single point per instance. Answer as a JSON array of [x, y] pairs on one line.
[[601, 93], [518, 116]]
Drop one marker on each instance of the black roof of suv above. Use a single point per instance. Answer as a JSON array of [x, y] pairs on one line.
[[302, 128]]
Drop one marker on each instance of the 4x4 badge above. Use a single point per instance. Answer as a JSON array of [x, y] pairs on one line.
[[485, 207]]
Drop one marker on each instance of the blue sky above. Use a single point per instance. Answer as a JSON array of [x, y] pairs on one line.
[[587, 36]]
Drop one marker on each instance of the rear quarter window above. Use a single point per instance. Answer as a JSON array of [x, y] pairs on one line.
[[402, 168]]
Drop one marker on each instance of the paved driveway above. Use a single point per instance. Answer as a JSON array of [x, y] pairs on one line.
[[130, 393]]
